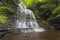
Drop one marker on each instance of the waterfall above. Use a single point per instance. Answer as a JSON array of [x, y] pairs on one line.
[[26, 21]]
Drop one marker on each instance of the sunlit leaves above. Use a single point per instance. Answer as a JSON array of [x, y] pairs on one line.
[[42, 0], [6, 9], [29, 2], [32, 2], [3, 19]]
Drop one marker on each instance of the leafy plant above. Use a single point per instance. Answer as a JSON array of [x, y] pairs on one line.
[[3, 17]]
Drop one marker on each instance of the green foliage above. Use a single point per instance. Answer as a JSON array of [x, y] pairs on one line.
[[6, 9], [57, 10], [48, 6], [3, 9], [29, 3], [3, 19], [42, 0], [48, 12]]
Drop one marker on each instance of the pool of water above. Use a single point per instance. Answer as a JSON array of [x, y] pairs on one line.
[[47, 35]]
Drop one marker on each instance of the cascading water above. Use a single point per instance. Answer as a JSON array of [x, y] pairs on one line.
[[26, 21]]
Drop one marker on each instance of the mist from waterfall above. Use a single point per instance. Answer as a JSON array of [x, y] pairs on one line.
[[26, 21]]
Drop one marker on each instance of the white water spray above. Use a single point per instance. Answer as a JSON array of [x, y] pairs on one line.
[[26, 21]]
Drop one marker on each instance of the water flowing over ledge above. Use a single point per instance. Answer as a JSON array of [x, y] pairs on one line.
[[26, 21]]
